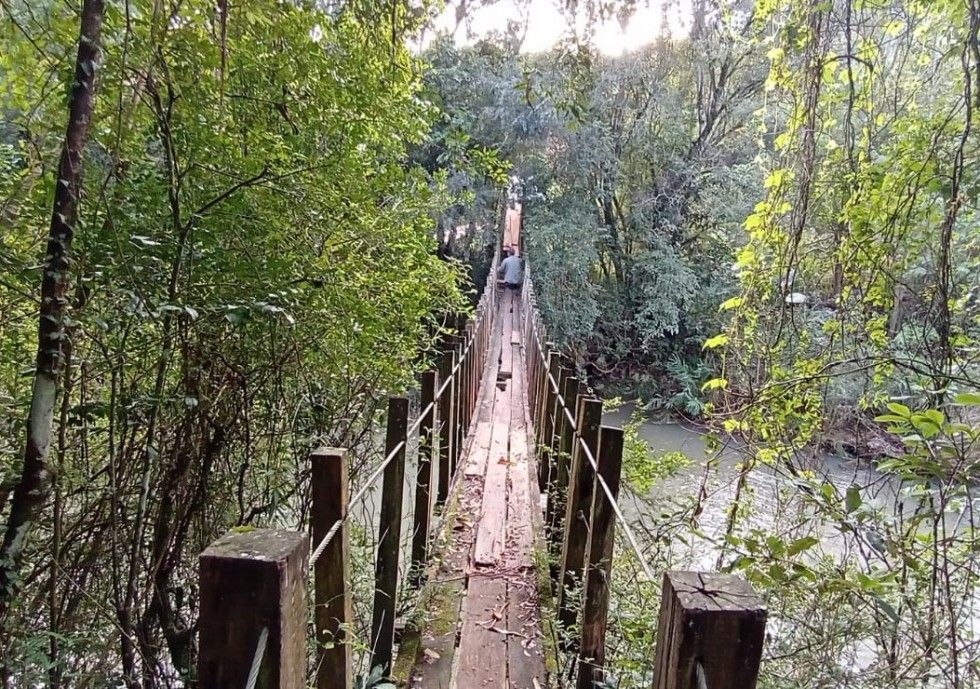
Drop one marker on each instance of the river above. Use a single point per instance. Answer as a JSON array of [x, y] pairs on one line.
[[776, 507], [775, 498]]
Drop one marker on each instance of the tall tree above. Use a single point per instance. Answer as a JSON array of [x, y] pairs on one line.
[[52, 346]]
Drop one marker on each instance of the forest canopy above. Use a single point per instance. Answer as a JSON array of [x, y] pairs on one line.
[[228, 230]]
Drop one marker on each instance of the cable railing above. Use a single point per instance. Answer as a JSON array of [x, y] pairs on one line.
[[711, 625], [254, 583], [376, 473]]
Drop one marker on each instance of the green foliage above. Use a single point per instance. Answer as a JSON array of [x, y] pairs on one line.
[[373, 680], [254, 267], [643, 468]]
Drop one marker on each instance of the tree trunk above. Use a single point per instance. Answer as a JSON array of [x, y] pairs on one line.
[[34, 485]]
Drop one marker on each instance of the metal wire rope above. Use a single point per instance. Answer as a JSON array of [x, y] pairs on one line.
[[325, 541], [630, 536]]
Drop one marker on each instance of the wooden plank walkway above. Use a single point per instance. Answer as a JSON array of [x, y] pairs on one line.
[[484, 628]]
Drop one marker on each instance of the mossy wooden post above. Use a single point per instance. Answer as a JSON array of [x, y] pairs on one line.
[[562, 448], [711, 631], [389, 535], [531, 367], [253, 599], [578, 511], [332, 606], [423, 479], [444, 407], [595, 607]]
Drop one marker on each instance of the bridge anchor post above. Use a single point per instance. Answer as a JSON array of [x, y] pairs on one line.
[[252, 630], [711, 631]]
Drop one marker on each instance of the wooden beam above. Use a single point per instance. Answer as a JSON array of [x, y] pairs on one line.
[[444, 408], [423, 478], [578, 514], [389, 536], [595, 609], [332, 603], [253, 610], [564, 436], [711, 631]]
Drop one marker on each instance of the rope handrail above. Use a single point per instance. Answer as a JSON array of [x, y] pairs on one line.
[[379, 470], [630, 536]]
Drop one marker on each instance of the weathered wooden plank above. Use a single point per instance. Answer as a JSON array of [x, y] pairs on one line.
[[710, 624], [491, 531], [520, 539], [506, 352], [333, 606], [476, 462], [444, 594], [525, 656], [482, 650], [253, 586]]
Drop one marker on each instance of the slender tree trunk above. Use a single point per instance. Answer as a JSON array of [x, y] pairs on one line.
[[35, 482]]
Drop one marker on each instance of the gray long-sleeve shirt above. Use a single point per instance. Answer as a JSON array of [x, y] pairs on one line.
[[510, 269]]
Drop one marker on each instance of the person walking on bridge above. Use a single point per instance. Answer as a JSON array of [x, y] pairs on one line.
[[511, 270]]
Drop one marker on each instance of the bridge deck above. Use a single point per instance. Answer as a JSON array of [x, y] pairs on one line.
[[484, 628]]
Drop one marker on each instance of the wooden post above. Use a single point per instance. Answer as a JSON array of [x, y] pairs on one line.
[[389, 535], [423, 479], [581, 482], [444, 405], [470, 368], [546, 431], [475, 373], [592, 651], [711, 631], [562, 449], [253, 602], [332, 606], [453, 392], [458, 392]]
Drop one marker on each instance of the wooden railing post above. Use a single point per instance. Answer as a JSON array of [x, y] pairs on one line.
[[458, 392], [470, 368], [595, 609], [711, 631], [389, 535], [546, 427], [423, 479], [476, 371], [565, 433], [445, 407], [253, 610], [332, 606], [451, 418], [578, 514]]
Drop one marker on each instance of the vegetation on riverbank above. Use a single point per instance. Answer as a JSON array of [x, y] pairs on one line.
[[249, 235]]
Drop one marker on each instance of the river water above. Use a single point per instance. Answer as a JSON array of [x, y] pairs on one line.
[[776, 506], [713, 475]]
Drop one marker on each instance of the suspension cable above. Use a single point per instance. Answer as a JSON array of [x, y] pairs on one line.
[[335, 527], [630, 536]]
